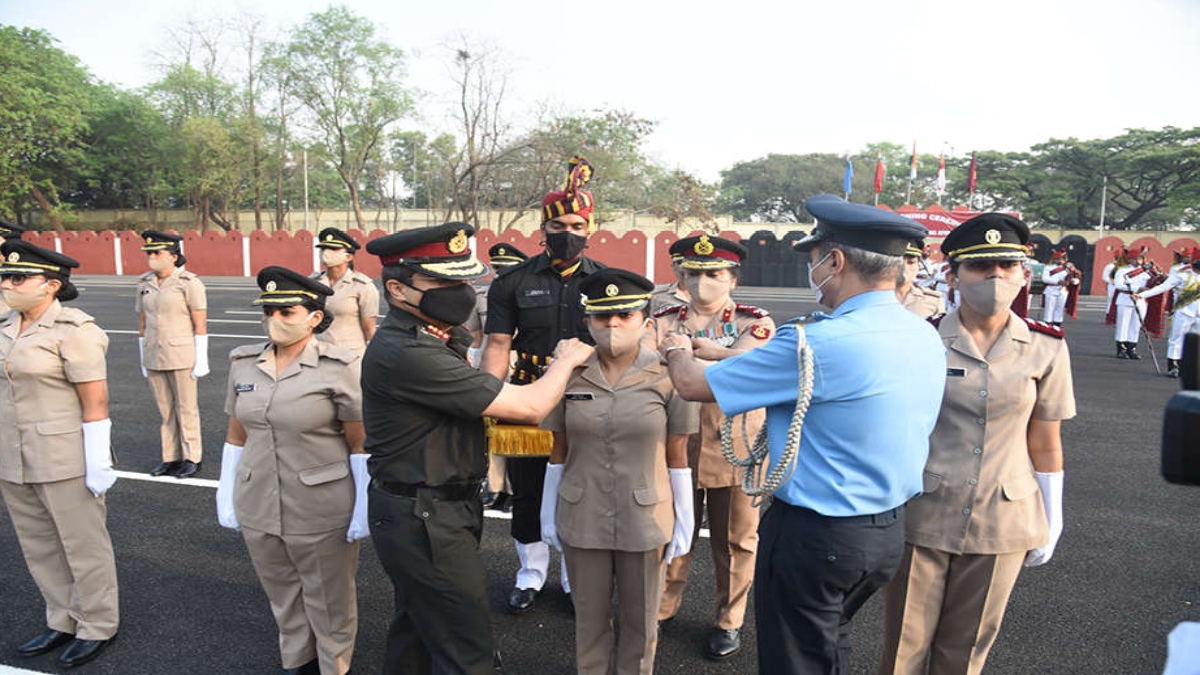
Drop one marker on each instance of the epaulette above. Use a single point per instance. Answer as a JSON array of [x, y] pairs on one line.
[[929, 291], [184, 274], [75, 317], [148, 276], [935, 320], [361, 278], [1045, 328], [756, 312], [335, 352], [809, 318], [247, 351], [669, 309]]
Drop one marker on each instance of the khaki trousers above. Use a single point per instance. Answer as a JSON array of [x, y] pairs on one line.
[[638, 577], [178, 405], [733, 528], [309, 580], [945, 608], [68, 551]]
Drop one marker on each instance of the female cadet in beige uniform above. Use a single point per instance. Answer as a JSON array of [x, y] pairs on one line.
[[709, 267], [620, 447], [355, 302], [173, 342], [55, 459], [8, 231], [993, 483], [293, 476]]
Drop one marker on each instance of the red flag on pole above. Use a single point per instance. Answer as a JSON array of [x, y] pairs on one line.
[[880, 172], [971, 176]]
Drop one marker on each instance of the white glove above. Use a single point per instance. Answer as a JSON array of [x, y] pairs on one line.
[[359, 529], [142, 355], [231, 455], [97, 456], [201, 368], [550, 505], [685, 513], [1052, 492]]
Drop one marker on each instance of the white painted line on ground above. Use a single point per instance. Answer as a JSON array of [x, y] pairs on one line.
[[9, 670]]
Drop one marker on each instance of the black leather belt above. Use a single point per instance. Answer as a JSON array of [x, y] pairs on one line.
[[874, 518], [445, 493]]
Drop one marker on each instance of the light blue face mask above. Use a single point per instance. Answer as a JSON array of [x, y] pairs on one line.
[[815, 286]]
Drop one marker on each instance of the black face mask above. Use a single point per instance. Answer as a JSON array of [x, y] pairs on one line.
[[565, 245], [451, 305]]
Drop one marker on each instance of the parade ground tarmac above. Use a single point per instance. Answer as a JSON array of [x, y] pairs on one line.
[[1126, 571]]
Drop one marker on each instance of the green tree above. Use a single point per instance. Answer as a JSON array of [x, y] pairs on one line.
[[774, 188]]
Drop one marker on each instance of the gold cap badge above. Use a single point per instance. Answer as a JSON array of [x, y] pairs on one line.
[[14, 257], [458, 244], [611, 290], [992, 236], [704, 246], [271, 286]]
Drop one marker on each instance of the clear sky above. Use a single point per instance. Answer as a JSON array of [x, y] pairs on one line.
[[732, 81]]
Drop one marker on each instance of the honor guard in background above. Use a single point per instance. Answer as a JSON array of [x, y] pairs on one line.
[[8, 231], [941, 284], [293, 472], [864, 440], [530, 308], [173, 342], [55, 455], [1056, 277], [618, 488], [423, 407], [355, 302], [924, 302], [1184, 283], [992, 497], [1129, 281], [719, 328]]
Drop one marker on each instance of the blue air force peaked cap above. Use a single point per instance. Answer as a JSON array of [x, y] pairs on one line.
[[860, 226]]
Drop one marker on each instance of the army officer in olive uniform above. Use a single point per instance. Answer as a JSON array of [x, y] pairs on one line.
[[992, 498], [173, 341], [720, 328], [55, 456], [423, 407], [292, 459], [355, 302]]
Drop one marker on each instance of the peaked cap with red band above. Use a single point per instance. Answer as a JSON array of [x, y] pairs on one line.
[[572, 198], [441, 251], [708, 253]]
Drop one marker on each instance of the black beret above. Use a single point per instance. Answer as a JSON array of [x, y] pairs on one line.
[[988, 236], [160, 241], [331, 237], [860, 226], [282, 287], [505, 255], [612, 291], [705, 252], [442, 251], [8, 229], [22, 257]]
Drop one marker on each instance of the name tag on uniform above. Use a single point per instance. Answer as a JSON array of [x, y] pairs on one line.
[[956, 372], [531, 292], [242, 388], [579, 396]]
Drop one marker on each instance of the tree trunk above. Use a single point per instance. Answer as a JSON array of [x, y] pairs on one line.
[[48, 208]]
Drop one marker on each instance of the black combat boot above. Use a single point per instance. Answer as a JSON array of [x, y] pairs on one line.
[[1131, 350], [1121, 353], [1173, 368]]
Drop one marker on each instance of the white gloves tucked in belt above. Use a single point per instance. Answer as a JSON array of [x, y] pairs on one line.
[[550, 505], [685, 513], [359, 528], [142, 355], [1052, 493], [97, 456], [201, 367], [231, 455]]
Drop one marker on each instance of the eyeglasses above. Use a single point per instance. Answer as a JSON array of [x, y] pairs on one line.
[[17, 279]]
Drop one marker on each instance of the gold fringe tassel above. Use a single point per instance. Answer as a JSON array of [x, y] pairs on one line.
[[517, 440]]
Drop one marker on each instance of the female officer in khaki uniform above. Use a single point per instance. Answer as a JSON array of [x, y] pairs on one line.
[[709, 269], [55, 458], [8, 231], [355, 302], [620, 447], [173, 342], [993, 483], [293, 473]]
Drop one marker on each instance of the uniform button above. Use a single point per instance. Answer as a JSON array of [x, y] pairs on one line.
[[978, 451], [424, 514], [608, 465], [610, 513], [973, 482], [983, 394], [966, 512], [981, 421], [983, 366], [831, 557]]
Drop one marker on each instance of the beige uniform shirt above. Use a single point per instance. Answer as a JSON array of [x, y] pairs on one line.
[[615, 492], [354, 296], [749, 327], [980, 495], [294, 476], [665, 296], [170, 337], [924, 302], [41, 418]]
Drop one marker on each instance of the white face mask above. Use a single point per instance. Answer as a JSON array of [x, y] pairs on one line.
[[708, 291], [333, 257], [25, 300], [617, 342], [814, 285], [990, 296], [283, 333]]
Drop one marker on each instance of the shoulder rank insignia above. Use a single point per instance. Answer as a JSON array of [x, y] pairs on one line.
[[1045, 328], [669, 309], [760, 332], [756, 312]]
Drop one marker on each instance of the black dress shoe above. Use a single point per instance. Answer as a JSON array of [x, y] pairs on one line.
[[499, 503], [165, 469], [80, 652], [521, 599], [46, 642], [187, 468], [723, 644], [310, 668]]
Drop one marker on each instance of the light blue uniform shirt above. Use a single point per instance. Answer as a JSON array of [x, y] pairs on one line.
[[878, 376]]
